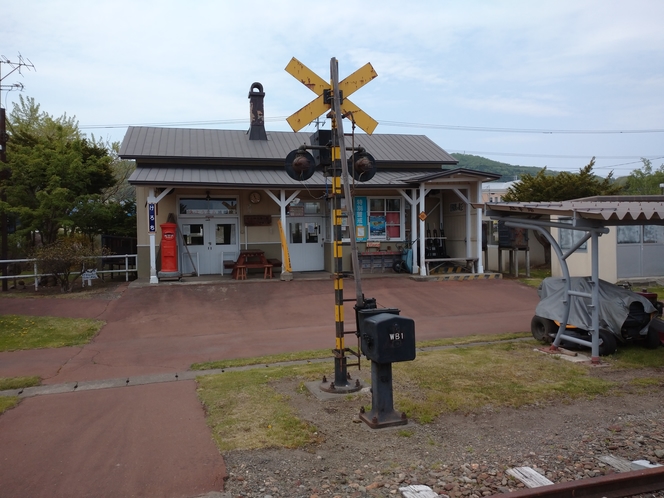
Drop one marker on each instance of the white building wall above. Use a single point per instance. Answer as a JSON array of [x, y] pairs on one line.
[[580, 263]]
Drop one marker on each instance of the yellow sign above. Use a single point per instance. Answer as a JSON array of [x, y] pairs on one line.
[[318, 106], [422, 216]]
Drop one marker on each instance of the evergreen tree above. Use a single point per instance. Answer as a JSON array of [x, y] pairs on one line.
[[561, 187]]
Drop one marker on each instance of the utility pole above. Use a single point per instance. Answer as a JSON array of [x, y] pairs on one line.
[[5, 172]]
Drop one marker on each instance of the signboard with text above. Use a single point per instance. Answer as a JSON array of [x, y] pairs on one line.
[[152, 218], [361, 219]]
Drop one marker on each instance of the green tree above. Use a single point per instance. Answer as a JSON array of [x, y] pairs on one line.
[[645, 181], [561, 187], [54, 169], [121, 192]]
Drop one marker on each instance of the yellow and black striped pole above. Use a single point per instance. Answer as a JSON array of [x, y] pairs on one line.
[[340, 172], [340, 371], [331, 99]]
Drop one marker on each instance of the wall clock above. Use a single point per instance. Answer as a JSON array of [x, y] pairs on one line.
[[255, 197]]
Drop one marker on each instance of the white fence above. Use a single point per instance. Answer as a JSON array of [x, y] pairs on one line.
[[103, 261]]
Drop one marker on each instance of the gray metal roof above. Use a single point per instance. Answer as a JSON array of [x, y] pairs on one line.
[[175, 175], [457, 173], [619, 210], [234, 145]]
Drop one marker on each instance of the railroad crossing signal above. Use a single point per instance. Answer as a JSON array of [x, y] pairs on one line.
[[323, 102]]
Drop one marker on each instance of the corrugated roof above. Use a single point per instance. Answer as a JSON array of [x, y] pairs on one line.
[[608, 210], [142, 142], [461, 173], [177, 176]]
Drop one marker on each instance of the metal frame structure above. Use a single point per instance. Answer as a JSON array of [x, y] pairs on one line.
[[591, 215]]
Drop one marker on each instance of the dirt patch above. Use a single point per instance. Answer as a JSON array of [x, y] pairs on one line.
[[459, 454]]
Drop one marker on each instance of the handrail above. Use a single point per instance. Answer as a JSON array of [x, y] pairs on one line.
[[126, 270]]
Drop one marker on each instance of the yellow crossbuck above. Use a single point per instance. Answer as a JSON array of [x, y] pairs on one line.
[[319, 106]]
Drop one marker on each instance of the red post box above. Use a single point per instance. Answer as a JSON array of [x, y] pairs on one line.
[[169, 248]]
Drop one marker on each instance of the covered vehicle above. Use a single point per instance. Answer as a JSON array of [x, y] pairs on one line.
[[624, 316]]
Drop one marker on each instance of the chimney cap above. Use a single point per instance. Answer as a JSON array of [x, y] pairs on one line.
[[259, 93]]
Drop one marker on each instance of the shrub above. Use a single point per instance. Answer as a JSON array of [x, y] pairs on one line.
[[66, 259]]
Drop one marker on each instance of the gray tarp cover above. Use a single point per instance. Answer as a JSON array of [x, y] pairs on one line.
[[614, 303]]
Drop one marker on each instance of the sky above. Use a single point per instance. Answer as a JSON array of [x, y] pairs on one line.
[[531, 83]]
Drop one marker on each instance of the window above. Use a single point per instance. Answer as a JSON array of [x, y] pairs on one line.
[[295, 232], [193, 234], [629, 234], [225, 234], [569, 238], [492, 232], [385, 218], [634, 234], [312, 208], [653, 234], [208, 206]]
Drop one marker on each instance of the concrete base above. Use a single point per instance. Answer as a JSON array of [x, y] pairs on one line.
[[169, 275], [286, 276], [458, 276], [377, 419], [331, 388], [314, 388]]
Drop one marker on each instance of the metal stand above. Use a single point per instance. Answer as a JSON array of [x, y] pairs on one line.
[[382, 412]]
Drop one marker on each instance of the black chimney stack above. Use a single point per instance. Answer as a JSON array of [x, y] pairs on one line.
[[257, 129]]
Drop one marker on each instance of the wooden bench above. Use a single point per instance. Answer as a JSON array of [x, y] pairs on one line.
[[437, 262], [267, 268], [275, 263]]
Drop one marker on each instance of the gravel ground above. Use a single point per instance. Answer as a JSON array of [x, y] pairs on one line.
[[459, 455]]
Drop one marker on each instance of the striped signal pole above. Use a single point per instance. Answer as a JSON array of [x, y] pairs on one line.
[[329, 98]]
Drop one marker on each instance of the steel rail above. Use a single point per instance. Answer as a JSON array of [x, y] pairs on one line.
[[616, 485]]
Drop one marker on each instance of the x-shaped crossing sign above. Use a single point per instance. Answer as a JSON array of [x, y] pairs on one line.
[[322, 88]]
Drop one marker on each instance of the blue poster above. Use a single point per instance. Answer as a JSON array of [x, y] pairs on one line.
[[361, 232], [377, 227]]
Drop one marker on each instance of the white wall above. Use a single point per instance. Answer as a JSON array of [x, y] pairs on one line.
[[580, 263]]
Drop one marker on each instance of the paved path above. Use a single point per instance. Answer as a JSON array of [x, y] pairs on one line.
[[152, 440]]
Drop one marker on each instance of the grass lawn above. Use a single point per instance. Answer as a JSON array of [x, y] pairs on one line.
[[536, 277], [7, 402], [245, 411], [6, 383], [34, 332]]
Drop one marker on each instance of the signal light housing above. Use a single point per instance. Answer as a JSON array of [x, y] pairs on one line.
[[362, 166], [300, 164]]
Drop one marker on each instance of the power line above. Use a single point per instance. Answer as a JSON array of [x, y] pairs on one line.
[[627, 164], [395, 124], [442, 126], [517, 130], [548, 156], [177, 123]]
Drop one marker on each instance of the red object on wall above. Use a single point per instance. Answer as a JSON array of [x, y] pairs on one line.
[[169, 248]]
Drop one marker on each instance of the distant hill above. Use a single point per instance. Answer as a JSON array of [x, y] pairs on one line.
[[509, 172]]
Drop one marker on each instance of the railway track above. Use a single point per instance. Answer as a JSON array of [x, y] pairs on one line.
[[618, 485]]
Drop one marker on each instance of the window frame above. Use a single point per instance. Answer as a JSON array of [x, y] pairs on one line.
[[574, 236], [387, 223]]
